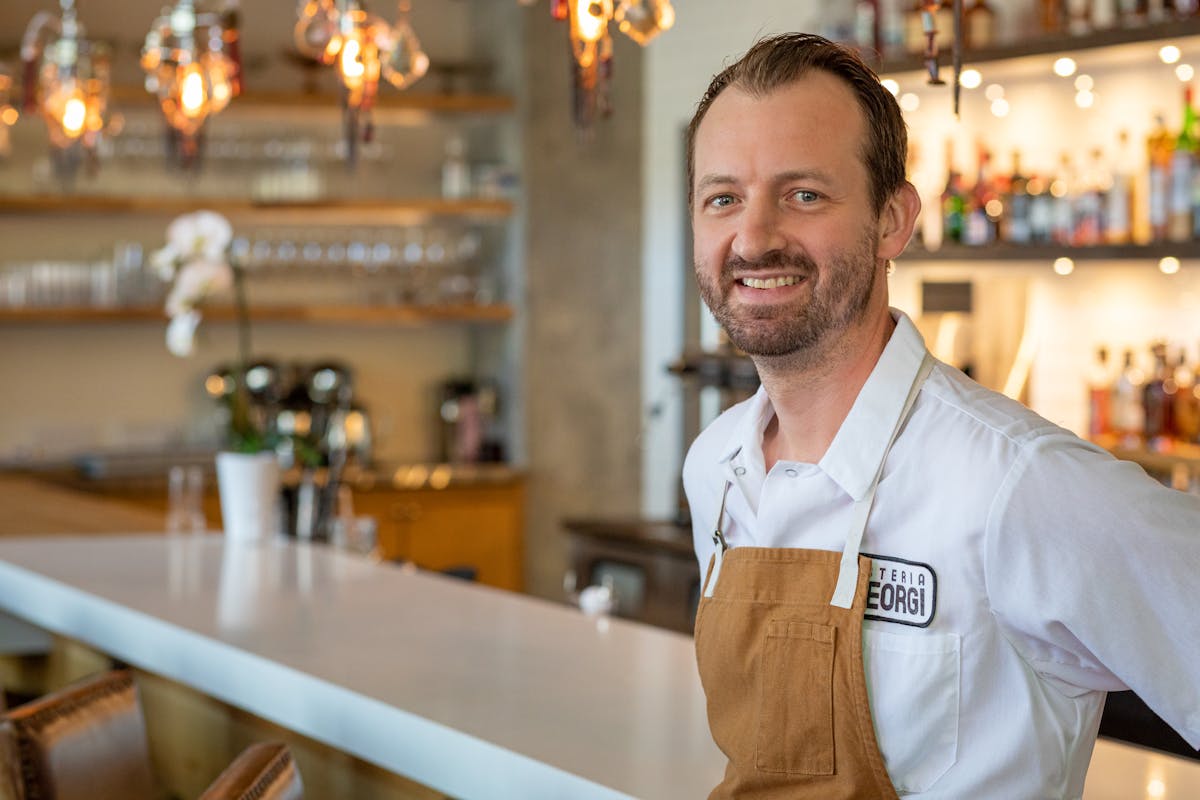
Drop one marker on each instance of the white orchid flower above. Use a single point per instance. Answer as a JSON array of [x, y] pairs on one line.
[[201, 234], [181, 333], [164, 261], [196, 282]]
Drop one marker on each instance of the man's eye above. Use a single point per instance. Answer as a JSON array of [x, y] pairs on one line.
[[721, 201], [805, 196]]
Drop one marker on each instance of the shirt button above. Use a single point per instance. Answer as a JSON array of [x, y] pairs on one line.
[[791, 473], [739, 470]]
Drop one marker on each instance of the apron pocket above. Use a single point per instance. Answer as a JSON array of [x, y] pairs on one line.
[[913, 686], [795, 707]]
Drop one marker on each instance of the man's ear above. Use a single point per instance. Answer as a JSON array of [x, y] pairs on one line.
[[896, 221]]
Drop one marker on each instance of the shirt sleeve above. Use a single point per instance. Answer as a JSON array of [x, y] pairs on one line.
[[1092, 568]]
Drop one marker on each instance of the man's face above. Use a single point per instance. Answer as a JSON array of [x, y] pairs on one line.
[[786, 240]]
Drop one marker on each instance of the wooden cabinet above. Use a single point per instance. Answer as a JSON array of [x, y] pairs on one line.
[[476, 528]]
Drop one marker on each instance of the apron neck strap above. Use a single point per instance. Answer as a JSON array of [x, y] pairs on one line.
[[847, 583]]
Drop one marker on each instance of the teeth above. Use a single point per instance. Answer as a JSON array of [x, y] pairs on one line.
[[770, 283]]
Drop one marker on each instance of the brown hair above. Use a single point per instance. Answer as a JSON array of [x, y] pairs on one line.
[[780, 60]]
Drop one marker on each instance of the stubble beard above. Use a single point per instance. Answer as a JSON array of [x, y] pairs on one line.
[[802, 332]]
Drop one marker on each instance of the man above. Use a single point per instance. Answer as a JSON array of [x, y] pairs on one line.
[[916, 586]]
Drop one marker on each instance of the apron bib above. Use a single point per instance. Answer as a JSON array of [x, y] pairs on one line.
[[779, 651]]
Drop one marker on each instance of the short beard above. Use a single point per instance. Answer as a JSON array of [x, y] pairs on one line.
[[838, 297]]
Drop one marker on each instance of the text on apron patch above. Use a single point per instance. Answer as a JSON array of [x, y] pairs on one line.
[[901, 591]]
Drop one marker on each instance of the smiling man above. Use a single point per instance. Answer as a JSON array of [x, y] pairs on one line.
[[902, 570]]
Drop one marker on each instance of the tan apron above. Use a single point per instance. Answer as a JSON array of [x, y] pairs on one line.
[[779, 649]]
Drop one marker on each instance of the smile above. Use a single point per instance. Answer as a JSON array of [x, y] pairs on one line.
[[770, 283]]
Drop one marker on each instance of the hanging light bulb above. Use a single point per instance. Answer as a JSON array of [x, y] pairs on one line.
[[404, 61], [67, 81], [193, 67], [642, 20], [363, 48]]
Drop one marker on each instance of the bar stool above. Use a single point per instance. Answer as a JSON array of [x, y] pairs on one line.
[[84, 742], [263, 771]]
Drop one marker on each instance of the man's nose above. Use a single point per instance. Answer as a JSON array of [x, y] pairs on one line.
[[758, 232]]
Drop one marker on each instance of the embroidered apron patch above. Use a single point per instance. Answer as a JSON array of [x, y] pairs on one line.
[[901, 591]]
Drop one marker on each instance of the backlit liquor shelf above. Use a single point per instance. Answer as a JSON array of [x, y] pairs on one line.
[[1174, 30], [393, 315], [1001, 251]]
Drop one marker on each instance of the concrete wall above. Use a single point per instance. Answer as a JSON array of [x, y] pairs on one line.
[[583, 304]]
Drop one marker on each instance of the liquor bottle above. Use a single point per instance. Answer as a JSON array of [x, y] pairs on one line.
[[1050, 15], [1103, 14], [867, 32], [1179, 213], [1017, 227], [953, 200], [1187, 405], [456, 174], [1079, 22], [1128, 412], [1118, 210], [1158, 399], [1041, 210], [980, 227], [914, 27], [1100, 392], [1063, 213], [979, 23], [1090, 200], [1159, 146]]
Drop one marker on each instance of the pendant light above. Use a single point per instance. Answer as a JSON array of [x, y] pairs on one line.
[[363, 48], [66, 79], [193, 67], [591, 45]]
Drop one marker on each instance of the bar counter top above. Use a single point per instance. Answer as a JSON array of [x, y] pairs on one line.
[[474, 692]]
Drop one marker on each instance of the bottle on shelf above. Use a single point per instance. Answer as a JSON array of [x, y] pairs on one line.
[[914, 27], [1159, 147], [1050, 16], [1016, 224], [954, 204], [1186, 410], [1118, 206], [1079, 18], [980, 227], [1158, 397], [1103, 14], [979, 24], [1062, 224], [1128, 411], [1090, 200], [1100, 395], [456, 174], [1041, 210], [1183, 167]]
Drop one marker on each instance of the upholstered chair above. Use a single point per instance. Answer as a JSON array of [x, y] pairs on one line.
[[84, 742], [263, 771]]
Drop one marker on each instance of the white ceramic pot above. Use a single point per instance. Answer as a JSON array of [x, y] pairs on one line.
[[249, 487]]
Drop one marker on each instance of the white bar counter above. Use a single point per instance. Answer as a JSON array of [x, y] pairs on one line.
[[472, 691]]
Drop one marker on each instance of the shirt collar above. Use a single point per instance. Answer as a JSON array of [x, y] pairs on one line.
[[856, 451]]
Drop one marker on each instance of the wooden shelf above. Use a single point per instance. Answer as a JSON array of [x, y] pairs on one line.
[[1054, 44], [1049, 252], [355, 211], [347, 315], [1177, 456], [251, 102]]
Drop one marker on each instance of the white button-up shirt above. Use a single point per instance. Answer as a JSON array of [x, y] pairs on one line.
[[1055, 573]]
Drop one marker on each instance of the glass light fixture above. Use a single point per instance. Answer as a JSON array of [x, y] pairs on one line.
[[591, 46], [67, 80], [363, 48], [193, 66], [643, 20]]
